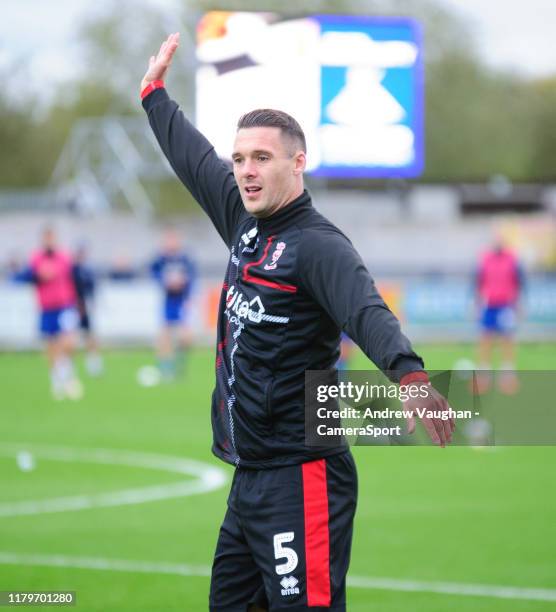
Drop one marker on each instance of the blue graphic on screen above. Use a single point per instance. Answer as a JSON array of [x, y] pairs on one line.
[[371, 115]]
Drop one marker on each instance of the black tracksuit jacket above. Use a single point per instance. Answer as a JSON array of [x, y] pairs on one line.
[[293, 283]]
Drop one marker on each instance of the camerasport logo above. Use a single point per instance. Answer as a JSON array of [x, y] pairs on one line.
[[280, 248], [244, 309]]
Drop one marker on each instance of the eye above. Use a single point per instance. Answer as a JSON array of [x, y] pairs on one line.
[[262, 158], [236, 160]]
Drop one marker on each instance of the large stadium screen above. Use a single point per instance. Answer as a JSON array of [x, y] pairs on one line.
[[354, 83]]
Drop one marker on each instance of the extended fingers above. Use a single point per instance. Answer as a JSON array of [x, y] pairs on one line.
[[447, 421], [430, 426], [159, 63], [447, 430], [168, 47], [450, 424], [445, 426], [171, 44], [439, 427], [435, 417]]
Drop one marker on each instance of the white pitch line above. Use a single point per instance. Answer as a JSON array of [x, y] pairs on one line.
[[207, 478], [359, 582], [453, 588], [94, 563]]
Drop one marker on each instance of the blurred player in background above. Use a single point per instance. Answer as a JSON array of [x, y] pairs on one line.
[[499, 284], [84, 282], [50, 270], [347, 349], [176, 273]]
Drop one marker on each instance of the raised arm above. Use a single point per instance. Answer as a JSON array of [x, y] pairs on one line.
[[190, 154]]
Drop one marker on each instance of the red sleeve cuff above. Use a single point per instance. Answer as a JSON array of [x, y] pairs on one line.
[[412, 377], [151, 87]]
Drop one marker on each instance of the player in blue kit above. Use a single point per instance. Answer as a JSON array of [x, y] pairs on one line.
[[176, 274]]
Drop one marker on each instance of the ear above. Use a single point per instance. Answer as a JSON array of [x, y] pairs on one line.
[[300, 162]]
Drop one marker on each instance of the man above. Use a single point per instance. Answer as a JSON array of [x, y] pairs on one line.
[[499, 284], [85, 286], [292, 284], [50, 270], [175, 273]]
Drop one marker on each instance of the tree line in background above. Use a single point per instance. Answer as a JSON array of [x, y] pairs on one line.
[[479, 121]]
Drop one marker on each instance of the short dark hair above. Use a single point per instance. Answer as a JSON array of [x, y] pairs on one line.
[[269, 117]]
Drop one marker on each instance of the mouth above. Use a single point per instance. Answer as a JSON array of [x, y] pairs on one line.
[[252, 190]]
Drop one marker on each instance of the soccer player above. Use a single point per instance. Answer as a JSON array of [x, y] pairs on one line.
[[50, 270], [499, 284], [176, 273], [85, 284], [293, 282]]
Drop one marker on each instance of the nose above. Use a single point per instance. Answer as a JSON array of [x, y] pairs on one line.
[[248, 169]]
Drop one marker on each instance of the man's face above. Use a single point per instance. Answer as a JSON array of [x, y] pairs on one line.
[[49, 239], [171, 242], [268, 169]]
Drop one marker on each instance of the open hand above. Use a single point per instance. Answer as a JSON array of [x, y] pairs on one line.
[[159, 64], [433, 410]]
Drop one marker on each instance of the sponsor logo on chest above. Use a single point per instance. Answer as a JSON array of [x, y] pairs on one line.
[[237, 303]]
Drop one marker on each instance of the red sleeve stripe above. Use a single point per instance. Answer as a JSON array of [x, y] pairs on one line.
[[151, 87], [317, 537], [414, 377]]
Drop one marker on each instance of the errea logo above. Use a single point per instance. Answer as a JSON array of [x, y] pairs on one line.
[[252, 310], [289, 585]]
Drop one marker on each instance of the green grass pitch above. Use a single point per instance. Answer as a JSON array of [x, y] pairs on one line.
[[425, 515]]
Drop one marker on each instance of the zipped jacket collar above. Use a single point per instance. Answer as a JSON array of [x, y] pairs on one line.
[[287, 215]]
